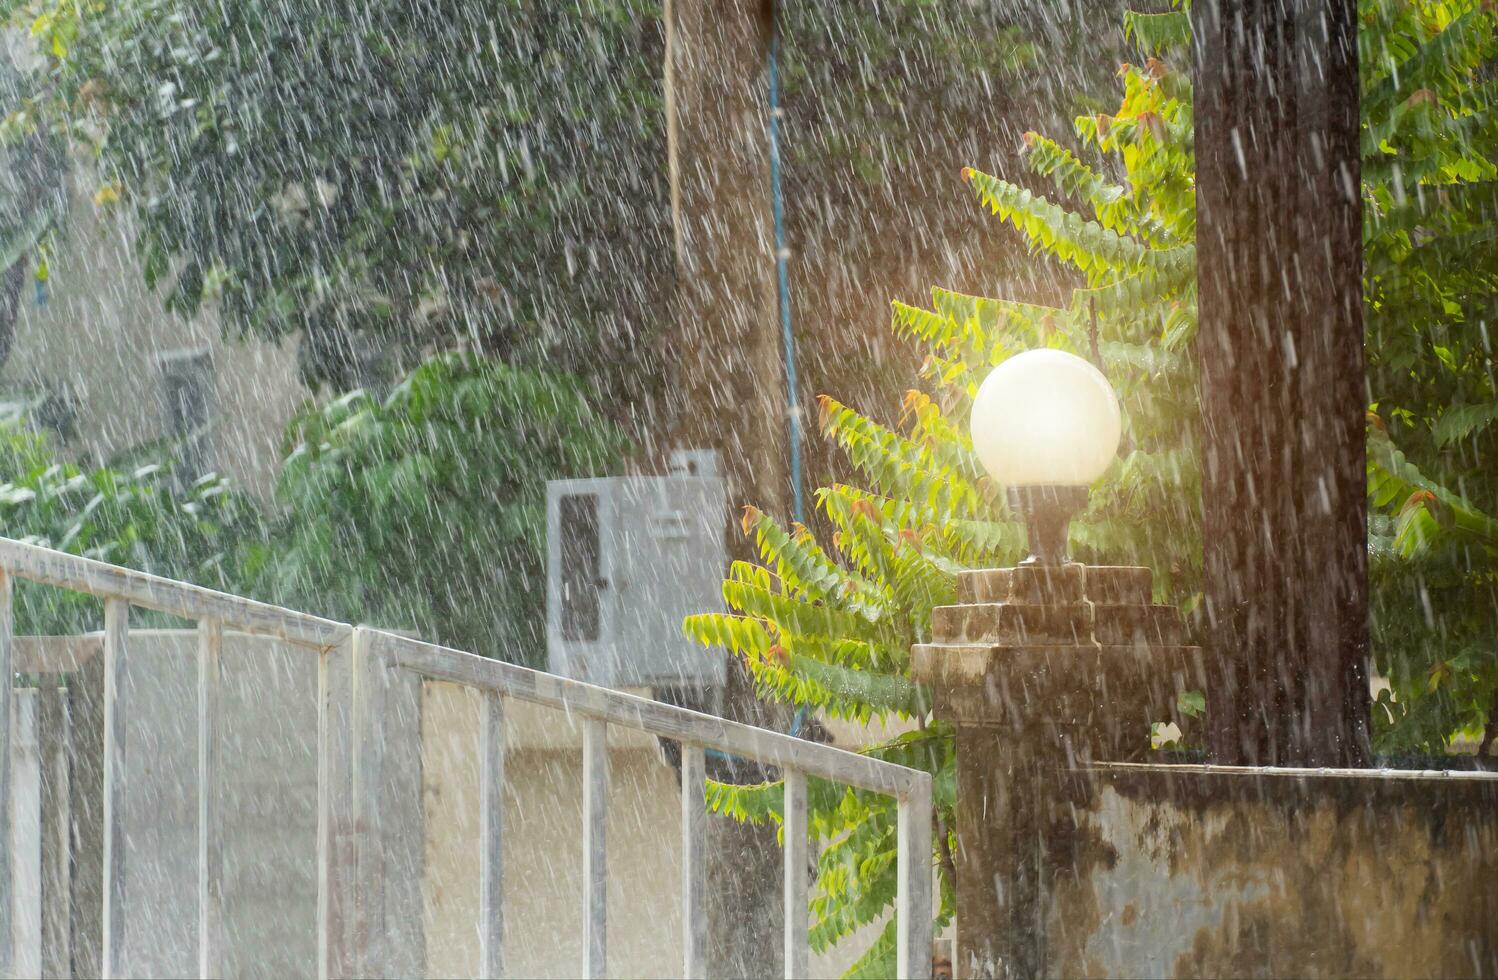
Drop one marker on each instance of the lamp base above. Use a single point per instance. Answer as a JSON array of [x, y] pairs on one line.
[[1047, 511]]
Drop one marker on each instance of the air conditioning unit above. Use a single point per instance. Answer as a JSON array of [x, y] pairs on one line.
[[627, 559]]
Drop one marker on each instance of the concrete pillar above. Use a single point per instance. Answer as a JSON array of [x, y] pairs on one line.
[[1043, 672]]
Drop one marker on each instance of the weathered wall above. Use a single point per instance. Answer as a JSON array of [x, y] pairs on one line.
[[98, 338], [1183, 873]]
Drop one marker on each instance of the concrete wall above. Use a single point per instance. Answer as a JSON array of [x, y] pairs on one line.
[[1180, 873], [542, 843], [101, 331]]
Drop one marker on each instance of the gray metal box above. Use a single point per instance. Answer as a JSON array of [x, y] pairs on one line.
[[627, 559]]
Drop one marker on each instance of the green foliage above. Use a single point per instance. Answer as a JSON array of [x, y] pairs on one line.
[[1429, 145], [1430, 200], [425, 511], [142, 519], [381, 178], [852, 72], [1120, 218], [422, 511]]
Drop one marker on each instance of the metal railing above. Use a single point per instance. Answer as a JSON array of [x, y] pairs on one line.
[[354, 668]]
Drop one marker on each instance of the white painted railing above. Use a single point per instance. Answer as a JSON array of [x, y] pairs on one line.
[[355, 667]]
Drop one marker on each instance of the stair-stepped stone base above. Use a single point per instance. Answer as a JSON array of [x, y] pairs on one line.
[[1083, 650], [1054, 584], [1077, 623]]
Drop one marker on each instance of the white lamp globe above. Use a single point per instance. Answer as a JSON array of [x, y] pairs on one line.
[[1046, 418]]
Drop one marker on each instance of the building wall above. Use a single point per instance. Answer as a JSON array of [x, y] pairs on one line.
[[267, 798], [100, 332]]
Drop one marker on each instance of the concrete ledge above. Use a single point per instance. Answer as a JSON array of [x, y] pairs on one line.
[[1236, 872]]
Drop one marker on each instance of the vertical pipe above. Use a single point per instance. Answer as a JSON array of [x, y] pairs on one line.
[[794, 829], [595, 860], [913, 891], [491, 835], [116, 641], [782, 272], [693, 861], [210, 827]]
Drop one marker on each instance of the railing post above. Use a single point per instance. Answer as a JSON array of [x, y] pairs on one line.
[[335, 833], [595, 861], [794, 829], [693, 861], [491, 835], [86, 765], [116, 777], [353, 678], [210, 818], [8, 680], [371, 687], [54, 734], [26, 836], [913, 895]]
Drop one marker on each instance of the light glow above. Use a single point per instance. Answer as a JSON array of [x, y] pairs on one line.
[[1046, 418]]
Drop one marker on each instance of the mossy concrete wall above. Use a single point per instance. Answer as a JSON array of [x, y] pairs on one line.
[[1078, 856], [1192, 872]]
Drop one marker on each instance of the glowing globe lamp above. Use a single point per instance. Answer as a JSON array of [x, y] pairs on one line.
[[1045, 425]]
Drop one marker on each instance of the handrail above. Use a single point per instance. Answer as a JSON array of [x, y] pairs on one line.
[[665, 720], [49, 567], [353, 670]]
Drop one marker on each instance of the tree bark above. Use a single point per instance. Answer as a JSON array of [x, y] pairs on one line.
[[725, 378], [1283, 387], [726, 371]]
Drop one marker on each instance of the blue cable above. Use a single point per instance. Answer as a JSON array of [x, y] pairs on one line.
[[782, 273], [788, 336]]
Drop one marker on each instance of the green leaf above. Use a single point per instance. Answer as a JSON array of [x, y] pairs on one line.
[[1161, 33], [1461, 421]]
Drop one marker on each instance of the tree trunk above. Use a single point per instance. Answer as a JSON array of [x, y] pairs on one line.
[[726, 374], [1283, 388], [725, 380]]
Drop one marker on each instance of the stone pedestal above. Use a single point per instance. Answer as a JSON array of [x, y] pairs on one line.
[[1043, 671]]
